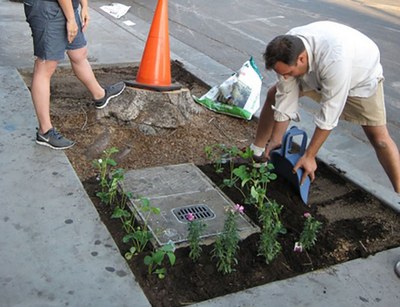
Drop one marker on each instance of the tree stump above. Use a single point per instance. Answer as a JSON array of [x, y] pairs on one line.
[[157, 109]]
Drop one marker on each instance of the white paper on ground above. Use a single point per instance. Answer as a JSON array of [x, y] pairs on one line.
[[129, 23], [116, 10]]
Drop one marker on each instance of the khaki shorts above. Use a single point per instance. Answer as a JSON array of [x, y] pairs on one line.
[[368, 111]]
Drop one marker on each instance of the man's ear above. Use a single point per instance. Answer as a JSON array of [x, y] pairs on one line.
[[302, 58]]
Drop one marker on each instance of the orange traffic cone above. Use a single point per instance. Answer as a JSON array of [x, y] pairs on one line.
[[155, 68]]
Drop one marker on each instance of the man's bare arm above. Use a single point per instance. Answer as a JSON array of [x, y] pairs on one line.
[[308, 160]]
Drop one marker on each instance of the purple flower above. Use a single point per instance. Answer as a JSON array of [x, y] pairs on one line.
[[238, 208], [307, 215], [298, 248], [190, 217]]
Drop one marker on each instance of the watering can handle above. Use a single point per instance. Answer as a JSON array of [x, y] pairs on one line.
[[288, 140]]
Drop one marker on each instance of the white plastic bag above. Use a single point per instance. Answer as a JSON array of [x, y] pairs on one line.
[[239, 95]]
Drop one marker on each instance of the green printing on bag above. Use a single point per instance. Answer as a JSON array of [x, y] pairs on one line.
[[223, 108]]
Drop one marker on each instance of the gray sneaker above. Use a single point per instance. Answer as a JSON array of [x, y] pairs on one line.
[[53, 139], [259, 161], [112, 91]]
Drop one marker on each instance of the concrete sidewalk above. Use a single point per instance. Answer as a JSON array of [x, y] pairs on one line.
[[55, 251]]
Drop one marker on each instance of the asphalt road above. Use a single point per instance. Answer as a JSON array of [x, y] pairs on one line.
[[230, 31]]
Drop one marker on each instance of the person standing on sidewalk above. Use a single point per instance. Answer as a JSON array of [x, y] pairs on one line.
[[57, 27], [339, 67]]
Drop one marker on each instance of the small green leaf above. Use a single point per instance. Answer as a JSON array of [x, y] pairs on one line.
[[272, 176], [145, 201], [155, 210], [245, 181], [254, 192], [160, 273], [111, 162], [172, 258], [128, 256], [241, 172], [148, 260], [170, 247], [128, 237], [118, 213], [158, 257]]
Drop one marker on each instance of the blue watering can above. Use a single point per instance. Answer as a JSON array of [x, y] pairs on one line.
[[284, 159]]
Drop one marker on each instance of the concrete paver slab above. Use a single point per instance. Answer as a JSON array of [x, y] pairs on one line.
[[175, 187]]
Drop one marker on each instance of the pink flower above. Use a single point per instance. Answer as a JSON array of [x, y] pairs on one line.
[[307, 215], [239, 208], [190, 217], [298, 248]]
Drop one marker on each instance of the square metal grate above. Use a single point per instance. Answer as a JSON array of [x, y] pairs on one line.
[[200, 212]]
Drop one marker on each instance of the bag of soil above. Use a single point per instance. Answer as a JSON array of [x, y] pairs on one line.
[[239, 95]]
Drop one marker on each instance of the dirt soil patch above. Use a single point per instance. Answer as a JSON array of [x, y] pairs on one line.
[[355, 224]]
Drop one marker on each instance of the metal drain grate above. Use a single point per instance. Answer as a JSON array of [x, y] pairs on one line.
[[200, 212]]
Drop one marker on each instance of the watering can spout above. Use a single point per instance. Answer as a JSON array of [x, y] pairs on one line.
[[284, 160]]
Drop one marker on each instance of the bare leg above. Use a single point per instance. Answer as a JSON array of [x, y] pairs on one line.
[[83, 71], [386, 151], [266, 121], [40, 91]]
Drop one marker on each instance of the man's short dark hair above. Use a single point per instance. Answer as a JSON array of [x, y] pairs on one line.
[[283, 48]]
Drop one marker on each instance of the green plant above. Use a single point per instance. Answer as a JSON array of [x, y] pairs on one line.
[[251, 178], [116, 177], [138, 235], [195, 230], [272, 227], [155, 260], [108, 183], [120, 211], [226, 244], [255, 180], [232, 154], [104, 163], [308, 236], [216, 153], [220, 154]]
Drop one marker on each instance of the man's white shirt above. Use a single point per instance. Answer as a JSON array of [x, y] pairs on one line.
[[342, 62]]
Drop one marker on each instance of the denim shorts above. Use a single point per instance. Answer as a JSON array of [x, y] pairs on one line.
[[48, 25]]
